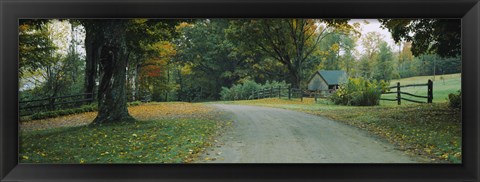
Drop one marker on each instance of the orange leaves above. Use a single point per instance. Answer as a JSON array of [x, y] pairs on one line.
[[149, 111], [151, 71], [62, 121], [183, 25], [23, 28], [169, 110]]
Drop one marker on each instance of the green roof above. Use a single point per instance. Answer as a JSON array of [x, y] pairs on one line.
[[333, 77]]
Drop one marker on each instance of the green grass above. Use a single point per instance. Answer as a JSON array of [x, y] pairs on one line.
[[163, 140], [441, 88], [429, 131]]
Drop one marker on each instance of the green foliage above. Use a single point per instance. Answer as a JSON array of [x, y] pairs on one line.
[[134, 103], [212, 59], [455, 100], [359, 92], [53, 114], [35, 46], [384, 63], [291, 42], [440, 36], [244, 91], [63, 112]]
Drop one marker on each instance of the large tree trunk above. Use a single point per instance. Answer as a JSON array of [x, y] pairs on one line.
[[295, 79], [112, 105], [92, 49]]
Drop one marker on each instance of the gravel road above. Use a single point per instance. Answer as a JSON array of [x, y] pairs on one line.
[[271, 135]]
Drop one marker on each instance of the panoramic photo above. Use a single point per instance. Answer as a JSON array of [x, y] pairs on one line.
[[100, 91]]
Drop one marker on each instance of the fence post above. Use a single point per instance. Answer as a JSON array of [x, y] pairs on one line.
[[430, 91], [279, 90], [315, 93], [301, 94], [399, 101], [271, 92], [289, 92]]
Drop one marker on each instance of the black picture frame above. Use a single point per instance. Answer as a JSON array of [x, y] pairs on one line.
[[11, 11]]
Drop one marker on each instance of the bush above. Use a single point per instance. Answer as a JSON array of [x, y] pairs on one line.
[[244, 91], [134, 103], [85, 108], [455, 100], [359, 92]]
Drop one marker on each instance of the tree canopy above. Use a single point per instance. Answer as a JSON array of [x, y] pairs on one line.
[[438, 36]]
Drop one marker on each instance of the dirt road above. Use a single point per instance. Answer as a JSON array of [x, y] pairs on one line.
[[270, 135]]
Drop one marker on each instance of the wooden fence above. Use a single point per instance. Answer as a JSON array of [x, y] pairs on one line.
[[279, 92], [399, 93], [48, 104]]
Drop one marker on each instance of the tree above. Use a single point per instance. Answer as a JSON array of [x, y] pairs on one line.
[[336, 51], [154, 75], [93, 43], [405, 60], [439, 36], [289, 41], [34, 46], [56, 71], [213, 59], [370, 42], [112, 105], [115, 41], [384, 63]]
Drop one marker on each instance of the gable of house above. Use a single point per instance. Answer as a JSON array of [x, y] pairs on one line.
[[333, 77], [326, 79], [317, 83]]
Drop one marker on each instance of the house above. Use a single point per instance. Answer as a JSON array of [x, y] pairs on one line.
[[327, 80]]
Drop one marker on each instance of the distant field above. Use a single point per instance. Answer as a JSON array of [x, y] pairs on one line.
[[442, 86]]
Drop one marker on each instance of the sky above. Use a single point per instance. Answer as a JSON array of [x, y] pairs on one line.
[[374, 26]]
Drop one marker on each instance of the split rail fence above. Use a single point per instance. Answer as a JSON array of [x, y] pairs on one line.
[[285, 92], [28, 107], [399, 93]]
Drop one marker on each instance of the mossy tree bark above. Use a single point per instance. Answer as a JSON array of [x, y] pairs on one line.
[[93, 44], [112, 103]]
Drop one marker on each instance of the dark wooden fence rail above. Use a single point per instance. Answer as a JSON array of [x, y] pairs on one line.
[[399, 93], [27, 107], [279, 92]]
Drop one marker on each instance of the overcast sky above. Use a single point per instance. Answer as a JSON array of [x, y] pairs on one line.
[[374, 26]]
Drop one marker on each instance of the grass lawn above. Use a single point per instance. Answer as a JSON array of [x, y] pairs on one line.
[[430, 131], [164, 133], [441, 88]]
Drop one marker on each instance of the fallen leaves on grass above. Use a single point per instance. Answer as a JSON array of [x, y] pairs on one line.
[[150, 111], [156, 141], [62, 121]]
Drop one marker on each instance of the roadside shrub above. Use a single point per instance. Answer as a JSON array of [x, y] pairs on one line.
[[134, 103], [244, 91], [85, 108], [359, 92], [455, 100]]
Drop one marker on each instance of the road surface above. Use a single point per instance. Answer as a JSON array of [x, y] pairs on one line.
[[271, 135]]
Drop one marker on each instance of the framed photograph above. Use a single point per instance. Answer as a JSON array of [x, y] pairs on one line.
[[239, 90]]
